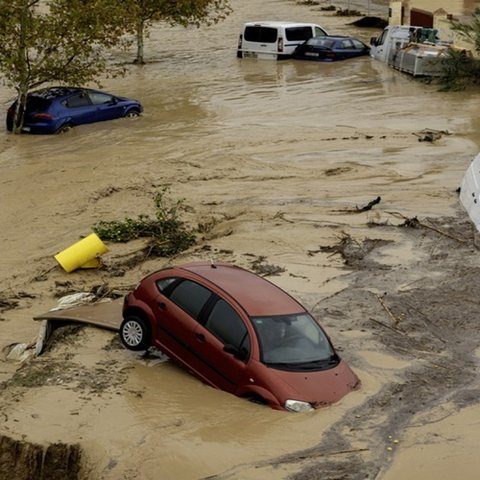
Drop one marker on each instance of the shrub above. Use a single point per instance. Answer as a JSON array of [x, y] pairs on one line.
[[167, 232]]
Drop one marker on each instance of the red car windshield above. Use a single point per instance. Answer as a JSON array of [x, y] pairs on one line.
[[293, 342]]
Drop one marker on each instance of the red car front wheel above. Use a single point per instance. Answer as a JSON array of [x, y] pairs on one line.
[[134, 333]]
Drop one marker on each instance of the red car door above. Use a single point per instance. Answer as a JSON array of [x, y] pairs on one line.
[[176, 320], [224, 327]]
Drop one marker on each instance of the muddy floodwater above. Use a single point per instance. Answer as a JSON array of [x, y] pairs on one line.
[[275, 160]]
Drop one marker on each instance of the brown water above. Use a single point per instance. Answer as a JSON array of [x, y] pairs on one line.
[[242, 141]]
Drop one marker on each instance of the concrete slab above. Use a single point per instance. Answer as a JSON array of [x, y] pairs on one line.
[[102, 314]]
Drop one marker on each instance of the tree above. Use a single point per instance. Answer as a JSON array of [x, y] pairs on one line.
[[176, 12], [459, 68], [55, 41], [469, 30]]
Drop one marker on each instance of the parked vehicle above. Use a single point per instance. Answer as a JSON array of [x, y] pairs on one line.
[[470, 191], [58, 109], [274, 40], [410, 49], [329, 48], [237, 332]]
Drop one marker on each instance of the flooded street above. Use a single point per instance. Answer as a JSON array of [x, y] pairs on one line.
[[274, 157]]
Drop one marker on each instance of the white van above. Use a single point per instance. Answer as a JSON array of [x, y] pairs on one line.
[[274, 40]]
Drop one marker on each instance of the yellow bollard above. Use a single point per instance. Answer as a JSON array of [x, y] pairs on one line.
[[83, 254]]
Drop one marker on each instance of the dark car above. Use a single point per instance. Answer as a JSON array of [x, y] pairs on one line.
[[57, 109], [329, 48], [237, 332]]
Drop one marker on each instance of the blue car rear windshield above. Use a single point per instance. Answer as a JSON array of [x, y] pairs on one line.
[[37, 104]]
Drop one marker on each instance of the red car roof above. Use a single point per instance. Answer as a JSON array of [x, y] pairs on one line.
[[256, 295]]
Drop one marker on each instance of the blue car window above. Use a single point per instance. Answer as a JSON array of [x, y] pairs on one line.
[[358, 43], [99, 98], [78, 100], [321, 42], [346, 44]]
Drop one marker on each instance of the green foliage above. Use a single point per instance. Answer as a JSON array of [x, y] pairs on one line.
[[469, 30], [460, 69], [60, 41], [194, 12], [177, 12], [167, 231], [180, 12]]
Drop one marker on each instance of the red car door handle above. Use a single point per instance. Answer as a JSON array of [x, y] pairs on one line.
[[200, 336], [162, 305]]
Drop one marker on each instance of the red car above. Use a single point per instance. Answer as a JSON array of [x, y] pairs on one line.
[[237, 332]]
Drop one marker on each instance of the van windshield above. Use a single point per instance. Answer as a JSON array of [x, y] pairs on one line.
[[298, 33], [256, 33]]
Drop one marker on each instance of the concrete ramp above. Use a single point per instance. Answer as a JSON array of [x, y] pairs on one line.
[[102, 314]]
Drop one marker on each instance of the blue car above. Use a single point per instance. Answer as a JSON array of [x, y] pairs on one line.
[[329, 48], [58, 109]]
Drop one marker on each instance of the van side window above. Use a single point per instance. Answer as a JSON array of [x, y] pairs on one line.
[[319, 32], [260, 34], [298, 33]]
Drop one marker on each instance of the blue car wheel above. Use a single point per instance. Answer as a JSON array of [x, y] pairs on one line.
[[66, 127], [132, 113]]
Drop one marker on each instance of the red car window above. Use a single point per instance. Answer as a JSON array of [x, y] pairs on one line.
[[224, 322], [164, 283], [191, 297]]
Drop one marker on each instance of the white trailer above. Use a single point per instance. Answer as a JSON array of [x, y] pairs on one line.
[[415, 50]]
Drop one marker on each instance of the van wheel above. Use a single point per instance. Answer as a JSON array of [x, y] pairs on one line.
[[135, 333]]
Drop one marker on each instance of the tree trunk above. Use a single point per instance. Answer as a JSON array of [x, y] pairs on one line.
[[140, 37], [19, 114], [22, 64]]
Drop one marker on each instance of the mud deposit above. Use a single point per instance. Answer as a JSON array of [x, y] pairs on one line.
[[277, 161], [22, 460]]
